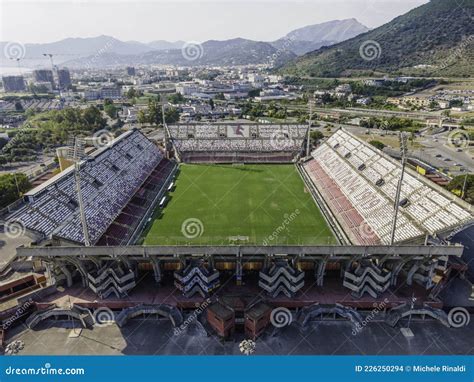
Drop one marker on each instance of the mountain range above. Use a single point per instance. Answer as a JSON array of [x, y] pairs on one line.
[[436, 38], [102, 51], [312, 37]]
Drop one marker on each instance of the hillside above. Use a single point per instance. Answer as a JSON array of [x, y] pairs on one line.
[[312, 37], [434, 39]]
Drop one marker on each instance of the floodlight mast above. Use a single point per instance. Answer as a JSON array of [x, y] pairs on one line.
[[403, 151], [169, 143], [163, 117], [76, 156], [310, 122]]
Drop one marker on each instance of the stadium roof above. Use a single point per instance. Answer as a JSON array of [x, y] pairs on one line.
[[109, 179], [359, 182], [94, 155]]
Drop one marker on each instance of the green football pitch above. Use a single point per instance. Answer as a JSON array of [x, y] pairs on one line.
[[244, 204]]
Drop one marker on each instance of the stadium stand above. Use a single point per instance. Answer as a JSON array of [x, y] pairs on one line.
[[121, 230], [147, 310], [117, 182], [237, 142], [359, 182]]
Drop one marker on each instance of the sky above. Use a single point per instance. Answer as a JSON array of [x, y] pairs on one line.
[[42, 21]]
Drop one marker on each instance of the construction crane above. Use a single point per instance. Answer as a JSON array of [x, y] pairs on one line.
[[18, 63], [55, 69]]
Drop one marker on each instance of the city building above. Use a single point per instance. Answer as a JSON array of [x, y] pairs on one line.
[[110, 93], [13, 83], [64, 78], [186, 88], [102, 93], [43, 75]]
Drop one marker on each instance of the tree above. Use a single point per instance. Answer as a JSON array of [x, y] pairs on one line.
[[52, 129], [132, 93], [316, 135], [153, 114], [377, 144], [12, 187], [254, 93], [3, 142], [463, 181], [176, 98], [327, 98], [111, 110], [18, 106], [172, 115], [142, 116]]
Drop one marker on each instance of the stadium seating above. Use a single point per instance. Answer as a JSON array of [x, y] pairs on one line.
[[359, 183], [121, 230], [109, 179], [251, 138], [237, 157]]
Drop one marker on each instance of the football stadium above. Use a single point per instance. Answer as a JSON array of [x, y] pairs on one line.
[[237, 221]]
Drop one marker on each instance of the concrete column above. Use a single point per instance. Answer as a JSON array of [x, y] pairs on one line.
[[238, 269]]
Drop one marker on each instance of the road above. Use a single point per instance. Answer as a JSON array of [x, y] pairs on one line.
[[439, 145], [380, 113]]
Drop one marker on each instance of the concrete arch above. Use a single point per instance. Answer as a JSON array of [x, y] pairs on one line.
[[164, 310]]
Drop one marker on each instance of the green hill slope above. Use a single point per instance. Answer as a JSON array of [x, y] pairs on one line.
[[436, 38]]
